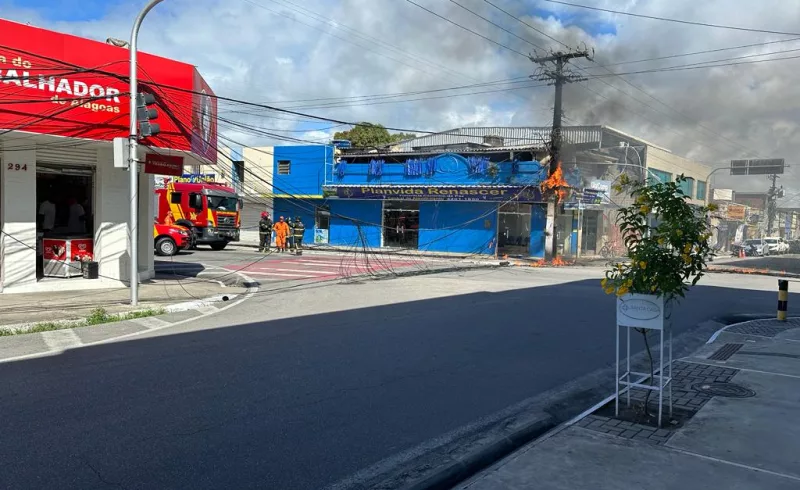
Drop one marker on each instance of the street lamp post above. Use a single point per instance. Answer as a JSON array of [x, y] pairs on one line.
[[133, 160]]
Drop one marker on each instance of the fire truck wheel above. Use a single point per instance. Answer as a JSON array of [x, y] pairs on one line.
[[219, 246], [165, 247]]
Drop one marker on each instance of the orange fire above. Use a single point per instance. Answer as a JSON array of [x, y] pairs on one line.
[[556, 183], [556, 262]]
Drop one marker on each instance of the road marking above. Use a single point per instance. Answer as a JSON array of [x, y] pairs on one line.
[[61, 340], [150, 322], [319, 264], [731, 463], [304, 271], [256, 273], [207, 310]]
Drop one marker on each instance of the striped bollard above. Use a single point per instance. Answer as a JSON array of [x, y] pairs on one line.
[[783, 299]]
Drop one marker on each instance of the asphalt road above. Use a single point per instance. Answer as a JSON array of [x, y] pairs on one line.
[[301, 403]]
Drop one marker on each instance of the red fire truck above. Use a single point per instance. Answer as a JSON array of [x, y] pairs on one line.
[[212, 211]]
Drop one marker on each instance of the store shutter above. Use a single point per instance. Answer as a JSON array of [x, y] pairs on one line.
[[66, 156]]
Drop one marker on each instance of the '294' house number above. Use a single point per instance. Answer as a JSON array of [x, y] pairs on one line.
[[16, 167]]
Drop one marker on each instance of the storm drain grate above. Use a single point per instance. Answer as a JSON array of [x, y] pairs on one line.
[[730, 390], [725, 352]]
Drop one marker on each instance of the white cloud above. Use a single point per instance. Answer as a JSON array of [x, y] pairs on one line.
[[366, 47]]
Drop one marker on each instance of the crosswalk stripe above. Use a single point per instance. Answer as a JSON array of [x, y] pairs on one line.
[[270, 269], [278, 274]]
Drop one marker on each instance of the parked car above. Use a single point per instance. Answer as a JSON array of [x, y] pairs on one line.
[[794, 246], [756, 247], [170, 239], [777, 245]]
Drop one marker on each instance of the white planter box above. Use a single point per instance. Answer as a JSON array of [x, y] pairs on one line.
[[643, 311]]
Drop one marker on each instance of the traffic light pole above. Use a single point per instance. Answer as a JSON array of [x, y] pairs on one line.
[[133, 160]]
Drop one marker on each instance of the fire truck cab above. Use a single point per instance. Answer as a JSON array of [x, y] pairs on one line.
[[211, 211]]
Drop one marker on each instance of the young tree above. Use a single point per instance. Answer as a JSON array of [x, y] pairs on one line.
[[368, 135]]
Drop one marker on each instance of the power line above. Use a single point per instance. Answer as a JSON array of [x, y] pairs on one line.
[[695, 53], [530, 26], [611, 73], [468, 29], [496, 25], [350, 41], [338, 25], [677, 21]]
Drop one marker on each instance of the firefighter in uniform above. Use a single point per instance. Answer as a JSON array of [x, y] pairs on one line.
[[299, 228], [290, 235], [281, 233], [264, 232]]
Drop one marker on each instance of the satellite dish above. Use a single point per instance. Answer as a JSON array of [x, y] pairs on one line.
[[117, 42]]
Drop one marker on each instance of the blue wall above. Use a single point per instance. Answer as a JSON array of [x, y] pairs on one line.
[[366, 215], [465, 227], [290, 208], [308, 168], [450, 169]]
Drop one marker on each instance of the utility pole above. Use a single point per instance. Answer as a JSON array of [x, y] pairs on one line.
[[772, 202], [133, 161], [553, 70]]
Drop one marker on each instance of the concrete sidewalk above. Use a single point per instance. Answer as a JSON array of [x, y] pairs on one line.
[[24, 309], [739, 397]]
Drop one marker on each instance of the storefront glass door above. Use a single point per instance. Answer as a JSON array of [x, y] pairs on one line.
[[589, 232], [514, 229], [65, 219], [401, 224]]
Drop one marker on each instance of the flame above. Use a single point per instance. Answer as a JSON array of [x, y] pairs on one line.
[[556, 262], [556, 183]]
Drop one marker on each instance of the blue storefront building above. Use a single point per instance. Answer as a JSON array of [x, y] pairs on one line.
[[465, 200]]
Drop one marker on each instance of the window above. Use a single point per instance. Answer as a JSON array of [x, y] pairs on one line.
[[284, 167], [223, 203], [701, 190], [687, 186], [658, 176], [322, 218], [176, 198]]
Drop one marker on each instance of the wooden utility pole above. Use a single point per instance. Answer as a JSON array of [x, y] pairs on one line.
[[553, 69]]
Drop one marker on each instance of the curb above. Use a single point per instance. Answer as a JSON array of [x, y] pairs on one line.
[[459, 471], [719, 332], [752, 272], [173, 308]]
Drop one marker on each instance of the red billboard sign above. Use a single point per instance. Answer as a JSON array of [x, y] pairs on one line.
[[163, 164], [59, 84]]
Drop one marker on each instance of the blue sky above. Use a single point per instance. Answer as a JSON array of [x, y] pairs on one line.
[[68, 10], [83, 10]]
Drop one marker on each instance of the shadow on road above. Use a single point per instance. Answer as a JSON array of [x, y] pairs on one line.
[[304, 402]]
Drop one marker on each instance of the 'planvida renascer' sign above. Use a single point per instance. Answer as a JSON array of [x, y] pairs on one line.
[[434, 193]]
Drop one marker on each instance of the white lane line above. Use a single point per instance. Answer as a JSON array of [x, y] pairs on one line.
[[150, 322], [61, 340], [278, 274], [304, 271]]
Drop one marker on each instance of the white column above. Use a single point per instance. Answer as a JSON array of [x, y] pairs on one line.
[[111, 217], [18, 208]]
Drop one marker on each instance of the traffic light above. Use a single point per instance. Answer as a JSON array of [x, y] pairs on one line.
[[145, 114]]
